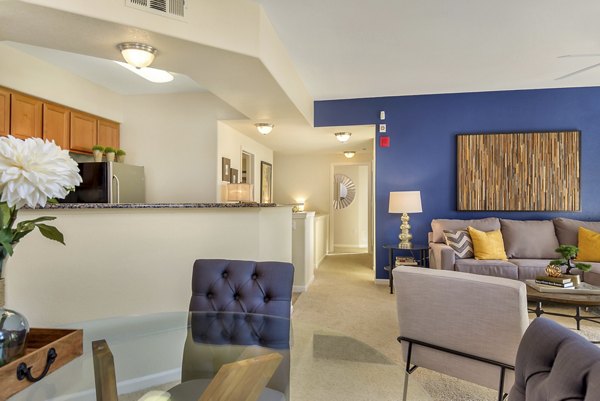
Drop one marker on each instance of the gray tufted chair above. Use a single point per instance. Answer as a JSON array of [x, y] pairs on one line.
[[242, 286], [258, 288], [555, 364]]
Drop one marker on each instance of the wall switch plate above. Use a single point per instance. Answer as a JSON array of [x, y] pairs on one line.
[[382, 128], [382, 115]]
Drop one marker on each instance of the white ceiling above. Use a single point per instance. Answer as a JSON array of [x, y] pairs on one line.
[[107, 73], [357, 48], [340, 49]]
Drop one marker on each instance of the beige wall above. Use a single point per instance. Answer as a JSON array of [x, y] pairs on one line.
[[231, 143], [24, 73], [175, 138], [352, 222], [306, 177], [120, 262]]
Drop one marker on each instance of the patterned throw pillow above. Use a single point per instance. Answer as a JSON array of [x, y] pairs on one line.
[[460, 241]]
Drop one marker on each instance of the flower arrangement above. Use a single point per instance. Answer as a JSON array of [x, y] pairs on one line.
[[33, 172]]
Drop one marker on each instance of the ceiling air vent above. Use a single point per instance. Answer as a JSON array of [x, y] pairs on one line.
[[166, 8]]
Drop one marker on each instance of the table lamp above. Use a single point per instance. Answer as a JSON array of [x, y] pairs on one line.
[[239, 192], [405, 202]]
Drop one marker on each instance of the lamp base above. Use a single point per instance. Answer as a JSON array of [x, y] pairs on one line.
[[405, 235]]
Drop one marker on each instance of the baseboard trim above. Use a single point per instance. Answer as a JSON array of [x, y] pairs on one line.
[[303, 288], [381, 281]]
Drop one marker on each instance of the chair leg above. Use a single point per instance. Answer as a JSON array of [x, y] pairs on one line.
[[407, 371]]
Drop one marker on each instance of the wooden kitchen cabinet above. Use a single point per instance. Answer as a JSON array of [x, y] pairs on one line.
[[4, 112], [56, 124], [108, 133], [84, 132], [25, 116]]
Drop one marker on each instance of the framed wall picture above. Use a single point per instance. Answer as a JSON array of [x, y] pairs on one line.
[[518, 171], [266, 182], [234, 176], [225, 169]]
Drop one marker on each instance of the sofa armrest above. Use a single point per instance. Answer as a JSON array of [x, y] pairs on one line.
[[441, 256]]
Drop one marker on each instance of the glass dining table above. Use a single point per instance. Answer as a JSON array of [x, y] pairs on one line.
[[160, 357]]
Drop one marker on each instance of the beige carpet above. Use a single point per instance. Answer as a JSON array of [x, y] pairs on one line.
[[344, 300]]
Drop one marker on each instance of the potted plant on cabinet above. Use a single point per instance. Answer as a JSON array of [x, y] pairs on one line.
[[98, 151], [121, 155], [110, 154]]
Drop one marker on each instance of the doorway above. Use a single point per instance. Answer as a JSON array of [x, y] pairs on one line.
[[351, 206]]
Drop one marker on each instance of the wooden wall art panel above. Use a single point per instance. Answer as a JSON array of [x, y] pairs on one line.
[[519, 171]]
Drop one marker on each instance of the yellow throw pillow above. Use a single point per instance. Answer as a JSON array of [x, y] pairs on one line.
[[589, 245], [487, 245]]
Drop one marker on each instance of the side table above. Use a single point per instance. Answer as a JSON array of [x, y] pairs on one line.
[[417, 251]]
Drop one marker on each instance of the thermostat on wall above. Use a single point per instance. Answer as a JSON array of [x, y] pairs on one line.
[[382, 128]]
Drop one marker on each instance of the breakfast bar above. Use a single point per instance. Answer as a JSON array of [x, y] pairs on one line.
[[125, 259]]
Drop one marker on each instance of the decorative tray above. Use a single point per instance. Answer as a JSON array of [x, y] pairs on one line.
[[47, 350]]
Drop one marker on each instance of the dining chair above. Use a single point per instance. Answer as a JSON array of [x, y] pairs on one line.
[[463, 325], [243, 380], [251, 302], [554, 362]]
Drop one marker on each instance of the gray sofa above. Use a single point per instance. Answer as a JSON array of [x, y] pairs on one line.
[[529, 246]]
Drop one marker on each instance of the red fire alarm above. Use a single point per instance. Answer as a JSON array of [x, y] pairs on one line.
[[384, 141]]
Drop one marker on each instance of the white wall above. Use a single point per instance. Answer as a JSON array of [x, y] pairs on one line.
[[351, 224], [231, 143], [174, 137], [133, 261], [306, 177], [24, 73]]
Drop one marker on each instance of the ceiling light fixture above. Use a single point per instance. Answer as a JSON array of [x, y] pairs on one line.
[[343, 136], [151, 74], [349, 154], [264, 128], [139, 55]]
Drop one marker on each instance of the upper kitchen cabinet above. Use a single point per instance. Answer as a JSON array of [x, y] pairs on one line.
[[56, 124], [25, 116], [4, 112], [84, 132], [108, 133]]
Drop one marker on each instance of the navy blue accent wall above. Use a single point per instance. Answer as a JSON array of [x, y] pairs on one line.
[[422, 155]]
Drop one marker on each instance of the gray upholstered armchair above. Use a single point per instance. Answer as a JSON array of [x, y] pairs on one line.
[[261, 289], [464, 325], [555, 363]]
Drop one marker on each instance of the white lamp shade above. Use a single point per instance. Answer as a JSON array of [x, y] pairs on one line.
[[239, 192], [343, 136], [405, 202]]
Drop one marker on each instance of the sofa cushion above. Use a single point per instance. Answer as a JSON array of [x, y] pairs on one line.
[[567, 229], [487, 245], [534, 239], [530, 268], [439, 225], [460, 242], [589, 245], [498, 268], [592, 276]]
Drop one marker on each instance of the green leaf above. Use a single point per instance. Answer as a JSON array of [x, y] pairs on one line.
[[51, 232], [583, 266], [52, 201], [558, 262], [22, 231], [39, 219], [4, 214], [8, 247]]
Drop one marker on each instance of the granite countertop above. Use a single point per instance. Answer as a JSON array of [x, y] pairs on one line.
[[155, 205]]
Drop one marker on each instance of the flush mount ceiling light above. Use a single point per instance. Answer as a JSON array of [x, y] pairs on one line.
[[151, 74], [264, 128], [139, 55], [343, 136], [349, 154]]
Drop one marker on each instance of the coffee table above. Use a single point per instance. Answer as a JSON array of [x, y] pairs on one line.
[[575, 300]]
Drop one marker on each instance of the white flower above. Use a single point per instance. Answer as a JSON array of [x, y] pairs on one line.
[[34, 170]]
